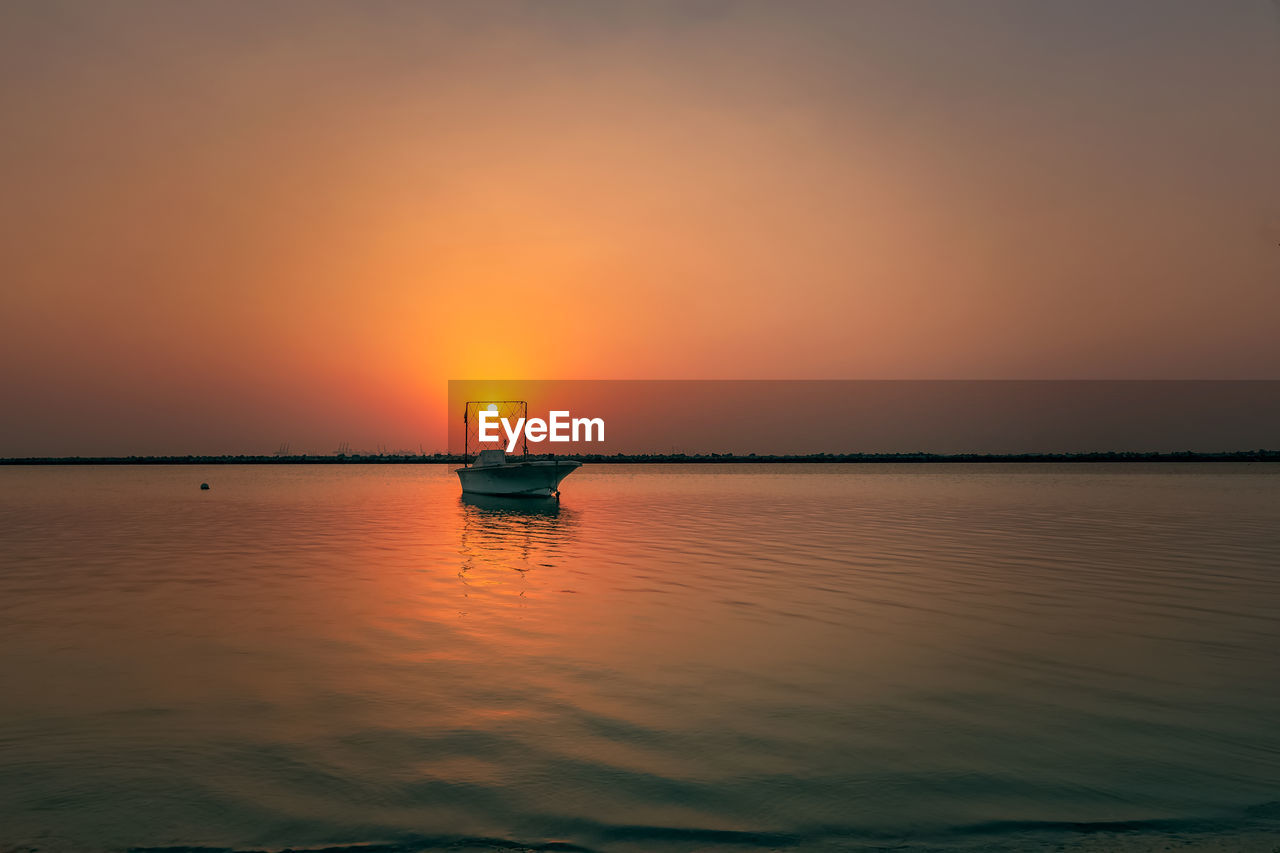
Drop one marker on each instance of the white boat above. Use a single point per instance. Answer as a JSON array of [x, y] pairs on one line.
[[492, 474]]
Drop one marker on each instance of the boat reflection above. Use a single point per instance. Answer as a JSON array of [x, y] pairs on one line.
[[501, 535], [505, 505]]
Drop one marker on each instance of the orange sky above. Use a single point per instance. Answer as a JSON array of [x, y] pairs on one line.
[[227, 226]]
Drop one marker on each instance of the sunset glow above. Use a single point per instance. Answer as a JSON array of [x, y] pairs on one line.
[[229, 228]]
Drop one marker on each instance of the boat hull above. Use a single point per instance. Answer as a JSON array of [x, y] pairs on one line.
[[535, 479]]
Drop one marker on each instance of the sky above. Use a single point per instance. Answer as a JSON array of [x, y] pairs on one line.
[[229, 225]]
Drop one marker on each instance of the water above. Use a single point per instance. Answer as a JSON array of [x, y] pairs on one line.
[[677, 658]]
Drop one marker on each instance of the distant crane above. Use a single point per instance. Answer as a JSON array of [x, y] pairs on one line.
[[283, 450]]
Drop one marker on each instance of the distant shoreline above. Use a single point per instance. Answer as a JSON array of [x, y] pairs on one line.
[[659, 458]]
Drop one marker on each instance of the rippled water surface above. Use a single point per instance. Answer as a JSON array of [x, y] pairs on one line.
[[675, 657]]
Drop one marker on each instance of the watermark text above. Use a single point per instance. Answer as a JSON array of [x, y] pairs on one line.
[[560, 426]]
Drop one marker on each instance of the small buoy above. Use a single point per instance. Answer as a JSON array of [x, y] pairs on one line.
[[204, 487]]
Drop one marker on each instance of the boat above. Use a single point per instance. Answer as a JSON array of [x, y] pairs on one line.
[[493, 474]]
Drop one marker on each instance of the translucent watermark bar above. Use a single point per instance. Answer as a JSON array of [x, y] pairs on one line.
[[801, 417]]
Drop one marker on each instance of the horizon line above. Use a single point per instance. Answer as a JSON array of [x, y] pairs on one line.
[[1259, 455]]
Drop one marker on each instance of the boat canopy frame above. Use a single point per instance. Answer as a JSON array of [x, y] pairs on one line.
[[505, 409]]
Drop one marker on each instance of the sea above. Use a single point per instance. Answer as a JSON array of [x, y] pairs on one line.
[[709, 657]]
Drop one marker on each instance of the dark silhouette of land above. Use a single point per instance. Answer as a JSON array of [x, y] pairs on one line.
[[657, 458]]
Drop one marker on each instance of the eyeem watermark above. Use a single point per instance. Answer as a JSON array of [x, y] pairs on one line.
[[558, 427]]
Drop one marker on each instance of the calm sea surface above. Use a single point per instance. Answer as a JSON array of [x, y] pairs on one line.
[[678, 657]]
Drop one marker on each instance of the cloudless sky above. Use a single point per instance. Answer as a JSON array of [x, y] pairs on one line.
[[226, 225]]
